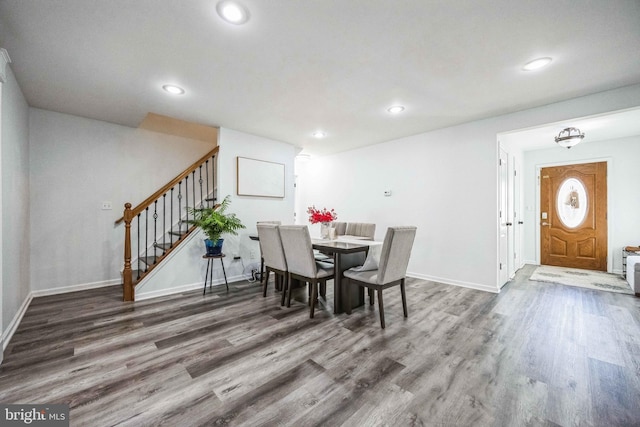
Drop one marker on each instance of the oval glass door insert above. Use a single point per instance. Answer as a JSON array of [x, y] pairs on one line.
[[572, 202]]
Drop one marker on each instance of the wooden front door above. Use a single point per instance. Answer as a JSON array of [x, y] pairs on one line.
[[573, 216]]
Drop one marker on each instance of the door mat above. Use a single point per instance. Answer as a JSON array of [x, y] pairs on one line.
[[582, 278]]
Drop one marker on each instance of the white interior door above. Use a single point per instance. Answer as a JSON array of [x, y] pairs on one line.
[[518, 217]]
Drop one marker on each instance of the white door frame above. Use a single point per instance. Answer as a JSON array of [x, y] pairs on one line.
[[503, 217]]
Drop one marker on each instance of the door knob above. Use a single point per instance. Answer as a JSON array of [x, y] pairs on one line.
[[520, 222], [545, 223], [509, 223]]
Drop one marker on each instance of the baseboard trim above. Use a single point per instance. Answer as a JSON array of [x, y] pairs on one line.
[[470, 285], [76, 288], [15, 322], [184, 288]]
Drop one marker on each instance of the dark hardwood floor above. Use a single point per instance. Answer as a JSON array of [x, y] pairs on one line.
[[536, 354]]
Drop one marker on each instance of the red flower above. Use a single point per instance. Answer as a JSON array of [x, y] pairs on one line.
[[324, 215]]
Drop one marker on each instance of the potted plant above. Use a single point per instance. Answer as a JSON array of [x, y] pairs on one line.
[[214, 222]]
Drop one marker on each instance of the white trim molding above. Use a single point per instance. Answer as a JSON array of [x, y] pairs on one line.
[[13, 326], [184, 288], [4, 60], [76, 288], [469, 285]]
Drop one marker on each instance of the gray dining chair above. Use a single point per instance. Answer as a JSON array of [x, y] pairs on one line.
[[260, 246], [391, 271], [301, 264], [273, 255], [341, 228], [360, 229]]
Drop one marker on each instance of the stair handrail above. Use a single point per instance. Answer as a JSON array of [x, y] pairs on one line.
[[130, 213], [149, 200]]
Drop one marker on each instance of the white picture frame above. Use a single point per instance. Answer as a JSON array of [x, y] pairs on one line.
[[260, 178]]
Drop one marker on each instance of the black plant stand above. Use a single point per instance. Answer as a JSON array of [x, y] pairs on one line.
[[210, 259]]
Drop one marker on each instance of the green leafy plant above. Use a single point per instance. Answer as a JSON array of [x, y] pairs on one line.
[[215, 221]]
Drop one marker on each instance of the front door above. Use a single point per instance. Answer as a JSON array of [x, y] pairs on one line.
[[573, 216]]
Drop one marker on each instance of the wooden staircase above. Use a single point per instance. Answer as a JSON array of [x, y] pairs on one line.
[[158, 225]]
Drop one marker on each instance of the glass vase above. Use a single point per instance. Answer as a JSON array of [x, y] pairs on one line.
[[324, 230]]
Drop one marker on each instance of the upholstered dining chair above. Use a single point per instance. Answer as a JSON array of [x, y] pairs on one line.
[[260, 245], [301, 263], [391, 271], [360, 229], [341, 228], [273, 255]]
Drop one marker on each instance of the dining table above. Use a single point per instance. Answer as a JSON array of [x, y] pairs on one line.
[[346, 253]]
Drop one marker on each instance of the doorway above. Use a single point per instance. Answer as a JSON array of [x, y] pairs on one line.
[[573, 216]]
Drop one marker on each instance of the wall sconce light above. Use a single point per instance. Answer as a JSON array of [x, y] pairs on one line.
[[569, 137]]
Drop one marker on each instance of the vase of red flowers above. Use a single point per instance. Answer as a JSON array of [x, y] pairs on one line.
[[324, 217]]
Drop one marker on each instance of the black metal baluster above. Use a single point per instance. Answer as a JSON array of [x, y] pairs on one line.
[[193, 189], [164, 223], [186, 201], [206, 174], [146, 237], [138, 247], [213, 179], [171, 220], [155, 229], [200, 182], [179, 209]]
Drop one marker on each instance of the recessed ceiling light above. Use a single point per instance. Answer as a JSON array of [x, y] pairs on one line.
[[395, 109], [536, 64], [174, 90], [233, 12], [319, 134]]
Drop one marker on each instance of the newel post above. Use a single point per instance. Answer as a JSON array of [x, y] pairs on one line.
[[127, 274]]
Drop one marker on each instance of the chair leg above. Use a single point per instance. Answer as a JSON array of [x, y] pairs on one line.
[[323, 290], [404, 298], [261, 268], [381, 308], [289, 290], [371, 297], [314, 286], [266, 282], [284, 288]]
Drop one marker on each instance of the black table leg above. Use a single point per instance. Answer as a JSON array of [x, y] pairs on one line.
[[206, 276], [223, 272]]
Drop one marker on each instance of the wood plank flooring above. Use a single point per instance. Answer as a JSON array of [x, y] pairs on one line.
[[536, 354]]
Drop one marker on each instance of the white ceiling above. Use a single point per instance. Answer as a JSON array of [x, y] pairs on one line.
[[300, 66], [604, 127]]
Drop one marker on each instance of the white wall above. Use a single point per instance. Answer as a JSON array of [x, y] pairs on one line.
[[75, 165], [187, 269], [254, 209], [623, 193], [15, 200], [445, 182]]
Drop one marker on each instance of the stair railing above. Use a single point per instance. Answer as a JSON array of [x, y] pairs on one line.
[[166, 208]]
